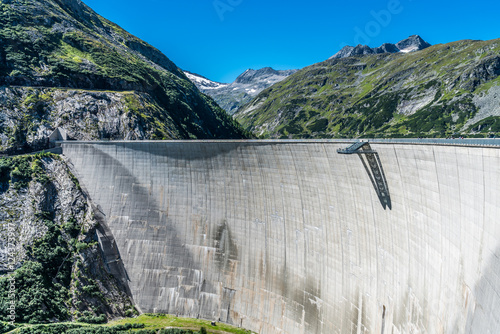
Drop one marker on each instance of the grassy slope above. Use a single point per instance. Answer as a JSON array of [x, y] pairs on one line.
[[154, 322], [158, 321], [367, 95]]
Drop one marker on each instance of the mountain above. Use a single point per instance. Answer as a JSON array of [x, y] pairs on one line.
[[443, 90], [62, 65], [411, 44], [246, 86]]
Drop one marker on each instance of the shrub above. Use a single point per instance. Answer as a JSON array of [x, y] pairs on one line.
[[145, 331], [4, 169], [128, 326], [91, 319], [6, 327], [176, 331], [48, 329]]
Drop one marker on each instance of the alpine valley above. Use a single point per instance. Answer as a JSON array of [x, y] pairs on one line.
[[246, 86]]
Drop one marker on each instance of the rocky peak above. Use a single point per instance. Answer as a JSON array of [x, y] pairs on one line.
[[387, 47], [410, 44], [348, 51], [204, 83]]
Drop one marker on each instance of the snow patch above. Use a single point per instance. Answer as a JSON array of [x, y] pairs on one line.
[[410, 49], [205, 83]]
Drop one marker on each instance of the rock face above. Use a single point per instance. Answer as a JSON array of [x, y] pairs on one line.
[[31, 114], [246, 86], [349, 51], [51, 231], [411, 44], [436, 92], [292, 237], [64, 45]]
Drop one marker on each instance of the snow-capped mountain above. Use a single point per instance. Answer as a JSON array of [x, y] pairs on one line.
[[246, 86], [204, 83], [411, 44]]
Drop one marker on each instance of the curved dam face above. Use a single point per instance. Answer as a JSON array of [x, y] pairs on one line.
[[292, 237]]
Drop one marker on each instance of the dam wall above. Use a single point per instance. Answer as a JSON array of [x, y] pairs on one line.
[[293, 237]]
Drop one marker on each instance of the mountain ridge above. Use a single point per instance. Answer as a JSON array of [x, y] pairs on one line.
[[440, 91], [410, 44]]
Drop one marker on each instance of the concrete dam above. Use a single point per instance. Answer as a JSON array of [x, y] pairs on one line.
[[305, 236]]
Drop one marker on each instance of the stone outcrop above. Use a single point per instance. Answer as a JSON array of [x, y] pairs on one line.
[[31, 114]]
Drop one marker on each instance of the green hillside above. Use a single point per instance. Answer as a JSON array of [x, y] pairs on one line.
[[444, 90], [62, 65]]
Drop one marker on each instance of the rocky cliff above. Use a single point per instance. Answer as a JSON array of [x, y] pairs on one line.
[[29, 114], [54, 246]]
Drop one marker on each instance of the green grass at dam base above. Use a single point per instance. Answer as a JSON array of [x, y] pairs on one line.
[[144, 324]]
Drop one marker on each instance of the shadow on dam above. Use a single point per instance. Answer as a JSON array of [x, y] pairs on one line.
[[177, 150], [138, 216], [369, 158], [375, 170]]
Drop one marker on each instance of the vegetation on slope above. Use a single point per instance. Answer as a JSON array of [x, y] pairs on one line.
[[441, 91], [64, 44], [159, 321], [143, 324], [58, 271]]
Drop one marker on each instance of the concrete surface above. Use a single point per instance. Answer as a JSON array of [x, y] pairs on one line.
[[292, 237]]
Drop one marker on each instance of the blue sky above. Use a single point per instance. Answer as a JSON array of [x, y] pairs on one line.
[[220, 39]]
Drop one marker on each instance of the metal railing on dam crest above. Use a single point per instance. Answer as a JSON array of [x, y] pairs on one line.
[[486, 142], [289, 236]]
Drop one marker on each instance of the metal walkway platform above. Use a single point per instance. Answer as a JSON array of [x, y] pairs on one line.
[[353, 148]]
